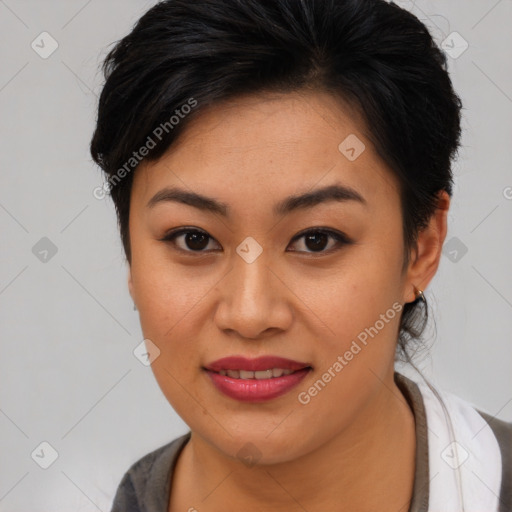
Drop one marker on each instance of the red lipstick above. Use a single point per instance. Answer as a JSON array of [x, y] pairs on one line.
[[256, 380]]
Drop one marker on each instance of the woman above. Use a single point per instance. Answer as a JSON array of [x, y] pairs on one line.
[[281, 172]]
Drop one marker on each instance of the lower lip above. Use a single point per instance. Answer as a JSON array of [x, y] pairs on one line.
[[256, 390]]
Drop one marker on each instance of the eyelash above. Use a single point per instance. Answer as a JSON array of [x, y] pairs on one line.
[[340, 238]]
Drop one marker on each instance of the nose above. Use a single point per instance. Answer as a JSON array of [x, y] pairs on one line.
[[254, 301]]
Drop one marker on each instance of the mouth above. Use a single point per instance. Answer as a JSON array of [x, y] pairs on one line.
[[271, 373], [256, 380], [256, 366]]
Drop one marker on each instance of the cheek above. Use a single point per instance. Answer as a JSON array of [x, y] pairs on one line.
[[176, 305], [168, 293], [360, 308], [172, 315], [360, 314], [353, 295]]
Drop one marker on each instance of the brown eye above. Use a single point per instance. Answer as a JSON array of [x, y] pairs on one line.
[[316, 240], [192, 240]]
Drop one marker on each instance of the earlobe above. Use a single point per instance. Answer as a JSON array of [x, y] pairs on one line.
[[130, 284], [427, 254], [130, 288]]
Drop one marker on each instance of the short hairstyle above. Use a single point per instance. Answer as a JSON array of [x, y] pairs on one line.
[[371, 54]]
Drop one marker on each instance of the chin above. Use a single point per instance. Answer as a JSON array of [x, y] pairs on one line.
[[256, 447]]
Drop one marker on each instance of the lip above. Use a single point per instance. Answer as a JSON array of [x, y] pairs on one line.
[[256, 390], [254, 365]]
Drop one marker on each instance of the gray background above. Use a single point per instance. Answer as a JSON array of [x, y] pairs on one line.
[[68, 329]]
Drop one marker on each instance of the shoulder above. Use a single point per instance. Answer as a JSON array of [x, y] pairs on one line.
[[145, 486], [502, 430], [482, 451]]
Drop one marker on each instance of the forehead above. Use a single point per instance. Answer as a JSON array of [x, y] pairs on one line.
[[266, 146]]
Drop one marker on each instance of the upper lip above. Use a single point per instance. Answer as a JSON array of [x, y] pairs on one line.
[[257, 364]]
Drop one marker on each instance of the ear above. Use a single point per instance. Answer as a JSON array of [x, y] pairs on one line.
[[130, 284], [426, 255]]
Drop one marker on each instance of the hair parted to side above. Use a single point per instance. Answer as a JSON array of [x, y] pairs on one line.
[[371, 54]]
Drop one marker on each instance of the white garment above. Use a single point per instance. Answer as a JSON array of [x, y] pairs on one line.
[[465, 462]]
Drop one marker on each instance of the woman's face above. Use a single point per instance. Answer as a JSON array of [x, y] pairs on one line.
[[252, 283]]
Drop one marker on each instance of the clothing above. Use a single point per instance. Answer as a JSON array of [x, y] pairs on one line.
[[483, 446]]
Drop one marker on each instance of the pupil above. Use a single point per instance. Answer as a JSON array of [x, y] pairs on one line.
[[318, 241], [196, 240]]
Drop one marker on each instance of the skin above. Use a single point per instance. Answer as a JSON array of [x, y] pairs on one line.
[[291, 301]]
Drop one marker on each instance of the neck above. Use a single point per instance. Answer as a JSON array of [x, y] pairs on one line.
[[369, 466]]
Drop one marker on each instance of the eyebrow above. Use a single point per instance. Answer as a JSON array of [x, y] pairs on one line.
[[336, 192]]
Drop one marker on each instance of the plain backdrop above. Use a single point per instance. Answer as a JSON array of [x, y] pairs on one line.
[[68, 374]]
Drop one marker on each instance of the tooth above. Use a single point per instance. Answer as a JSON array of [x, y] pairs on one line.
[[277, 372], [263, 374], [260, 374]]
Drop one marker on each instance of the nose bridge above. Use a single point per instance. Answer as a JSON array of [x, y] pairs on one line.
[[250, 267], [251, 281], [251, 302]]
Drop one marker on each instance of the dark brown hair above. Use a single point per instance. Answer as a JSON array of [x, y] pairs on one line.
[[376, 56]]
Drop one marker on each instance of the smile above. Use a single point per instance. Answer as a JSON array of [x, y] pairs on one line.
[[259, 375]]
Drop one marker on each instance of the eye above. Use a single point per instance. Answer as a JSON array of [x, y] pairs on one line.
[[197, 241], [317, 239], [193, 240]]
